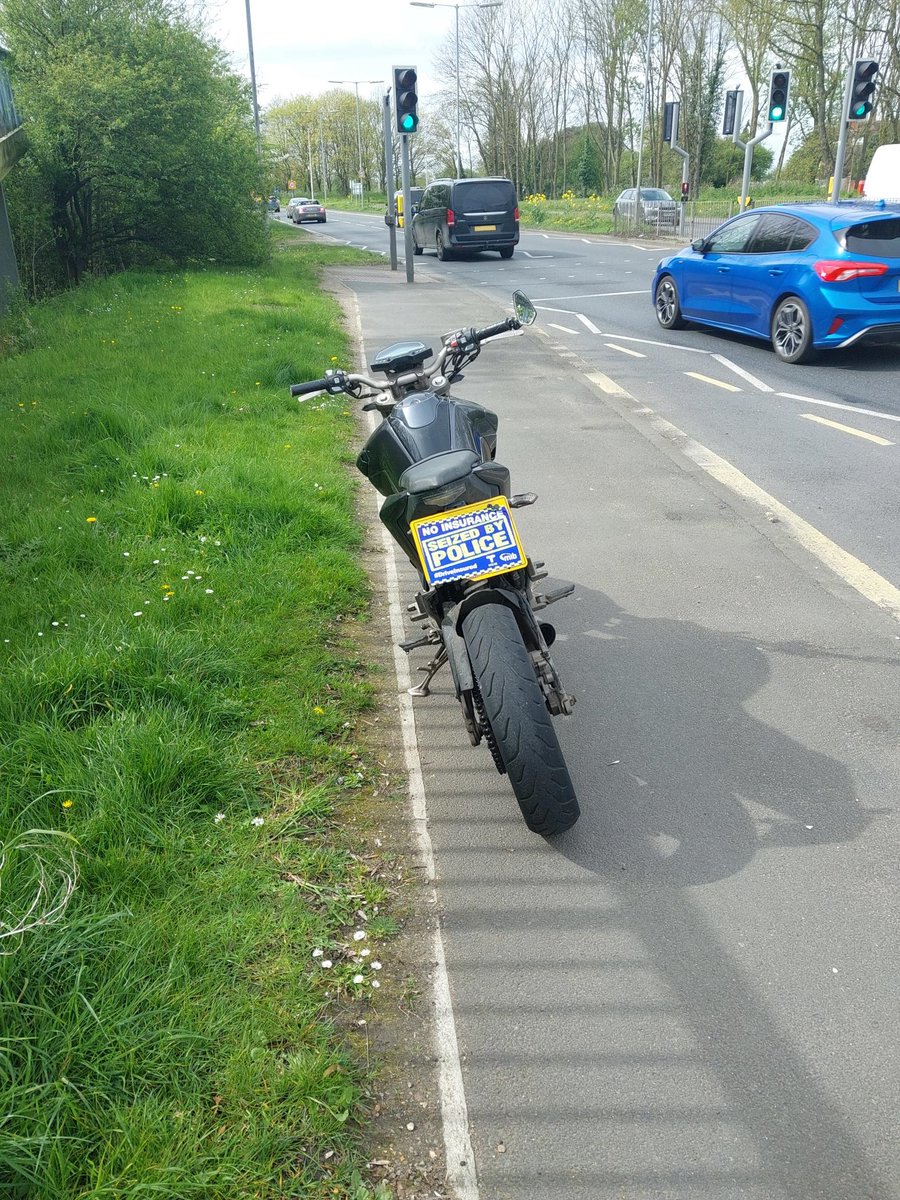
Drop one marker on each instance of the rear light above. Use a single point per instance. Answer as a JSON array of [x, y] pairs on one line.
[[831, 270], [516, 213], [451, 217]]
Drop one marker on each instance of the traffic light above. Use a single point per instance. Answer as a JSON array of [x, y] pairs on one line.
[[862, 89], [731, 99], [778, 95], [406, 99], [668, 120]]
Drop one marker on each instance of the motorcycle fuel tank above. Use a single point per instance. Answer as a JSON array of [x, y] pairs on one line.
[[422, 425]]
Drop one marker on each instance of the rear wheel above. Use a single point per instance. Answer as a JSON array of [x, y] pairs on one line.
[[520, 730], [442, 252], [792, 331], [507, 252]]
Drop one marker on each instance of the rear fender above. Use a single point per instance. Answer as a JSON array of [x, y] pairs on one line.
[[457, 656], [509, 597]]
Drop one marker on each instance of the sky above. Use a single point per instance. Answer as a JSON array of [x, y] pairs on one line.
[[299, 47]]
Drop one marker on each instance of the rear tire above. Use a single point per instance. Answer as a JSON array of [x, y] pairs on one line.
[[520, 724], [442, 252], [507, 252], [792, 331]]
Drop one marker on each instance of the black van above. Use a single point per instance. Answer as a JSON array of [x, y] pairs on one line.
[[467, 214]]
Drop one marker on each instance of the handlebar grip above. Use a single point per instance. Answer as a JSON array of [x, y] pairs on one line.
[[490, 331], [303, 389]]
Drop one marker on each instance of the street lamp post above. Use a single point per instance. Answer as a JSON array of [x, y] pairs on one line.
[[356, 83], [437, 4]]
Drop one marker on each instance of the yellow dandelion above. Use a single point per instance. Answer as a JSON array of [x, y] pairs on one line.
[[91, 520], [318, 710], [198, 491], [67, 803], [287, 446]]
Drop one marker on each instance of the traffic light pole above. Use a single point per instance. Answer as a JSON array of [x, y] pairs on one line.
[[747, 147], [407, 207], [842, 139], [684, 156], [389, 177]]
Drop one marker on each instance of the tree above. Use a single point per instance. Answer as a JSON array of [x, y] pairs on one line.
[[135, 123]]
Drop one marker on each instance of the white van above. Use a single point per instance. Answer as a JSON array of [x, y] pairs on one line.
[[883, 177]]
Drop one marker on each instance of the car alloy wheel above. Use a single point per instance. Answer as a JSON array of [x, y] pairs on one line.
[[792, 331], [668, 306]]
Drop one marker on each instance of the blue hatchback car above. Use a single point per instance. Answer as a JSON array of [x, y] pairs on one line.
[[808, 277]]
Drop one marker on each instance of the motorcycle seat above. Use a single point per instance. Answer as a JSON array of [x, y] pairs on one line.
[[438, 471]]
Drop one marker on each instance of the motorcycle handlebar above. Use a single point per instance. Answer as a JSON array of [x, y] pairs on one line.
[[303, 389], [490, 331]]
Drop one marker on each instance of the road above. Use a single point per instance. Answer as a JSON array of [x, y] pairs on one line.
[[812, 435], [692, 994]]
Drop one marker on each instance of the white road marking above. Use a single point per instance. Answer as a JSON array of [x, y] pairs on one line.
[[564, 328], [593, 295], [527, 255], [648, 249], [586, 322], [728, 387], [745, 375], [625, 350], [851, 570], [860, 433], [866, 412], [459, 1154]]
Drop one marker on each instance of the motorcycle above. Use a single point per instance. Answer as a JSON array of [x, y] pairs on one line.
[[449, 508]]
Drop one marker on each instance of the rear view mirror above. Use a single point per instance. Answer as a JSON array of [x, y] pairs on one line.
[[525, 310], [699, 244]]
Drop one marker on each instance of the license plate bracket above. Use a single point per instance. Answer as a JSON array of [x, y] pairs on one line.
[[474, 542]]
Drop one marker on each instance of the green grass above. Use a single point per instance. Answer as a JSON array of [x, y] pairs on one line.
[[178, 689]]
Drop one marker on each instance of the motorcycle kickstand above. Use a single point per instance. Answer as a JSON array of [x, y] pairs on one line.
[[422, 689]]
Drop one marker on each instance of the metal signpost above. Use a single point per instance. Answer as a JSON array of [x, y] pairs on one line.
[[407, 207], [672, 138], [746, 146], [389, 178]]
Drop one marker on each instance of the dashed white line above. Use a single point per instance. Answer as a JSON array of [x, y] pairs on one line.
[[625, 350], [527, 255], [860, 433], [605, 384], [564, 328], [591, 295], [866, 412]]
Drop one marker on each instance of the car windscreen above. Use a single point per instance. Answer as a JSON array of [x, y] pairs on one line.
[[484, 195], [879, 238], [654, 194]]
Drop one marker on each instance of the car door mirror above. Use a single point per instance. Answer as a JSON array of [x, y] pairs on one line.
[[700, 245], [525, 310]]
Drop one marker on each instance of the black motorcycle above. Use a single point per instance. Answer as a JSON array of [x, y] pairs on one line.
[[448, 505]]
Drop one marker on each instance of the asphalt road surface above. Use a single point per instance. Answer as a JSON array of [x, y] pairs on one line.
[[692, 995]]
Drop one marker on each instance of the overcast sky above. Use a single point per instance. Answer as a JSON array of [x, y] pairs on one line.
[[299, 45]]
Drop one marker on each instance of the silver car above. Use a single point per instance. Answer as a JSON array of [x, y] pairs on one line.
[[660, 210], [307, 210]]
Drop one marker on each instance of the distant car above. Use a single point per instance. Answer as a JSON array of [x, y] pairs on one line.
[[274, 204], [808, 277], [292, 204], [307, 210], [660, 210]]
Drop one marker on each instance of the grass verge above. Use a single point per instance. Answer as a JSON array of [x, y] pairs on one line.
[[178, 690]]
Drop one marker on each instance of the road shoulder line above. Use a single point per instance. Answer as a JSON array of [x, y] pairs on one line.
[[851, 570], [458, 1150]]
